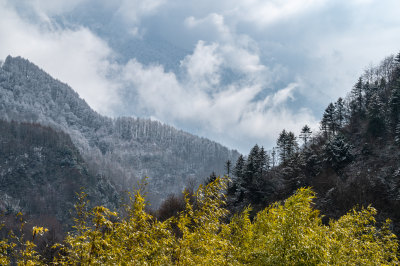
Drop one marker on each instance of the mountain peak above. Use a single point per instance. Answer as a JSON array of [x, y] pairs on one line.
[[18, 64], [124, 149]]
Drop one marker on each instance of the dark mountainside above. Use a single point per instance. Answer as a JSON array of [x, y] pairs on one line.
[[40, 173], [123, 150], [353, 160]]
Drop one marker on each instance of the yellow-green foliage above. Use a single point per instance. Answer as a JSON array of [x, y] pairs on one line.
[[4, 247], [17, 247], [288, 233]]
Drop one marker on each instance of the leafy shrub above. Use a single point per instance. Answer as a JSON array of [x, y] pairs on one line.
[[288, 233]]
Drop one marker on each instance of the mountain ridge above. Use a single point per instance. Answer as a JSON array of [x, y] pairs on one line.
[[124, 149]]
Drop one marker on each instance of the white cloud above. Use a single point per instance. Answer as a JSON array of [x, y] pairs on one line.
[[236, 52], [53, 7], [264, 13], [339, 55], [44, 9], [283, 95], [203, 65], [199, 100], [74, 56], [134, 10], [254, 67], [229, 114], [211, 23]]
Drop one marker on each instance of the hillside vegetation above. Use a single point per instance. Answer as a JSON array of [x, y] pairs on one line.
[[289, 233], [354, 159], [323, 201], [40, 172], [122, 149]]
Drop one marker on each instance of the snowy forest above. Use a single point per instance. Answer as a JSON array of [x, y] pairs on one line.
[[325, 197], [123, 149], [353, 160]]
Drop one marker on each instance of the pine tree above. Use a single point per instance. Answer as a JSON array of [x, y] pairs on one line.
[[253, 179], [273, 157], [338, 152], [262, 162], [239, 167], [328, 122], [358, 96], [376, 124], [211, 178], [228, 166], [332, 125], [305, 134], [281, 145], [339, 112], [382, 83], [397, 58], [252, 164], [291, 144], [324, 124], [396, 72], [395, 104], [368, 91], [236, 189], [267, 159], [287, 145]]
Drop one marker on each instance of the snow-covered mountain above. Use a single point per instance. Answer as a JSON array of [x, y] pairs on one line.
[[123, 149], [41, 171]]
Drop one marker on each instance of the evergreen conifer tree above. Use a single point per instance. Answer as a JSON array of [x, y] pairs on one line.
[[328, 122], [236, 189], [273, 157], [228, 166], [264, 160], [396, 72], [305, 134], [395, 104], [261, 166], [338, 152], [291, 144], [252, 164], [376, 124], [239, 167], [324, 124], [287, 145], [357, 97], [330, 114], [281, 144], [339, 112]]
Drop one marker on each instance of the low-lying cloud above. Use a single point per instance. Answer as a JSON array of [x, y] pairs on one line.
[[230, 113], [253, 67], [75, 56]]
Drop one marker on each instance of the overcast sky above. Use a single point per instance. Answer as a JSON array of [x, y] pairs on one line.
[[237, 72]]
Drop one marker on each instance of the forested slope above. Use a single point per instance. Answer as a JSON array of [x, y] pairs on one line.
[[260, 214], [353, 159], [122, 149], [40, 173]]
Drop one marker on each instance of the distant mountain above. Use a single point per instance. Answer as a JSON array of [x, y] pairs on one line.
[[122, 149], [41, 171]]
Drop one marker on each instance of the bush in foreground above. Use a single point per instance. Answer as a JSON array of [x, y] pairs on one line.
[[284, 233]]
